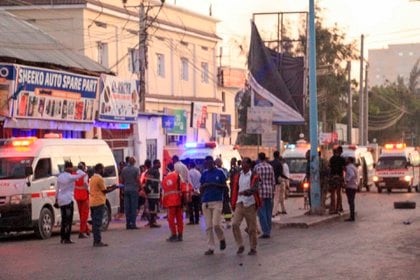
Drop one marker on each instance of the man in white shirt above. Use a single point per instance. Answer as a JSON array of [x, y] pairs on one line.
[[244, 203], [350, 180], [194, 205], [64, 199]]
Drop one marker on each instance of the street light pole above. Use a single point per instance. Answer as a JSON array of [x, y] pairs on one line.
[[142, 56], [313, 116]]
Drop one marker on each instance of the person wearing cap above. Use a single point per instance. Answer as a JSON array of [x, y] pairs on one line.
[[64, 199], [266, 190], [81, 195], [213, 186]]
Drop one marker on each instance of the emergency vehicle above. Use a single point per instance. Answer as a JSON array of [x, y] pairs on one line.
[[295, 156], [398, 167], [28, 178], [364, 163], [199, 151]]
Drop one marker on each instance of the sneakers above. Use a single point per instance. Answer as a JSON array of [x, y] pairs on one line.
[[209, 252], [283, 212], [349, 220], [83, 235], [154, 225], [100, 244], [172, 238], [264, 236], [180, 238], [222, 244], [240, 250], [252, 252], [67, 241]]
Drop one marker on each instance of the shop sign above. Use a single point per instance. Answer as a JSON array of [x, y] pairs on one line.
[[118, 99], [54, 95], [180, 121]]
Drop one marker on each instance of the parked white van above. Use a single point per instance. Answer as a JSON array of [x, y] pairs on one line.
[[398, 167], [295, 156], [28, 176], [364, 162], [199, 151]]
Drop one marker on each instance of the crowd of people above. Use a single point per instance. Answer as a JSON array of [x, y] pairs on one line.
[[250, 190]]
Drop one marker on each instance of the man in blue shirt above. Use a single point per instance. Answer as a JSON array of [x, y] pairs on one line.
[[213, 186]]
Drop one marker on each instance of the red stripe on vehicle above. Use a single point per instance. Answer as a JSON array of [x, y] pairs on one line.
[[36, 195], [51, 193]]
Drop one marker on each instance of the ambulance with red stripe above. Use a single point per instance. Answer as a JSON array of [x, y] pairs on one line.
[[295, 156], [28, 178], [398, 167]]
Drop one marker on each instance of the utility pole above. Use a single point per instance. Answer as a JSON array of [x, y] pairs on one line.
[[313, 116], [361, 99], [142, 56], [349, 106], [366, 108]]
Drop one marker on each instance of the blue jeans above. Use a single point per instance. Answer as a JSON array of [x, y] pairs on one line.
[[97, 213], [264, 214], [131, 202]]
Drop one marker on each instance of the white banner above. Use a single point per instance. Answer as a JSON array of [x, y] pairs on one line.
[[259, 120]]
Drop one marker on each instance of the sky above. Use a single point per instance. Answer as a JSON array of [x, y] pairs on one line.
[[382, 22]]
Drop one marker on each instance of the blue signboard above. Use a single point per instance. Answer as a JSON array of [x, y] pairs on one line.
[[54, 95]]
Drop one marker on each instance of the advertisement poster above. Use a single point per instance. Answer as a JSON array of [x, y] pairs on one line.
[[180, 121], [54, 95], [7, 78], [199, 115], [118, 99], [223, 125], [259, 120]]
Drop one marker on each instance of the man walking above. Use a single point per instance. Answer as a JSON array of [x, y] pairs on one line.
[[172, 200], [97, 202], [351, 186], [64, 199], [152, 188], [130, 178], [280, 187], [266, 174], [245, 201], [213, 186]]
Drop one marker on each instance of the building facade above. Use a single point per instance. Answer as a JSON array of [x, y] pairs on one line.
[[181, 70], [386, 65]]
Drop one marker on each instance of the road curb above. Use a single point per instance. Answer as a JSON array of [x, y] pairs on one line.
[[306, 221]]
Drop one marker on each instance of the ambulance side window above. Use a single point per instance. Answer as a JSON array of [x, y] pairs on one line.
[[43, 168]]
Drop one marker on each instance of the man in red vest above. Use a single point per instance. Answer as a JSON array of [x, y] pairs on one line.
[[81, 195], [172, 200]]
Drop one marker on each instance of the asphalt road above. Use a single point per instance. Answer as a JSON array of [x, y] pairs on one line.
[[379, 245]]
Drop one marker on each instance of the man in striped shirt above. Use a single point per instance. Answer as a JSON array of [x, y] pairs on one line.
[[266, 190]]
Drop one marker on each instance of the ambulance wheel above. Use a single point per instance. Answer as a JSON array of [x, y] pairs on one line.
[[106, 219], [43, 229], [404, 204]]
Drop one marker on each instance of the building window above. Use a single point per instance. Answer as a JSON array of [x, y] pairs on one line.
[[224, 101], [133, 60], [103, 54], [204, 72], [160, 58], [184, 69]]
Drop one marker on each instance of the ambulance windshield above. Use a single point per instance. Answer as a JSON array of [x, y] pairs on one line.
[[391, 163], [14, 168], [296, 165]]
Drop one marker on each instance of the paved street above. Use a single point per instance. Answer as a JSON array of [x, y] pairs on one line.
[[378, 246]]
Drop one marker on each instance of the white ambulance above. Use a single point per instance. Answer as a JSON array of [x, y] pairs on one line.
[[199, 151], [364, 162], [398, 167], [295, 156], [28, 177]]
